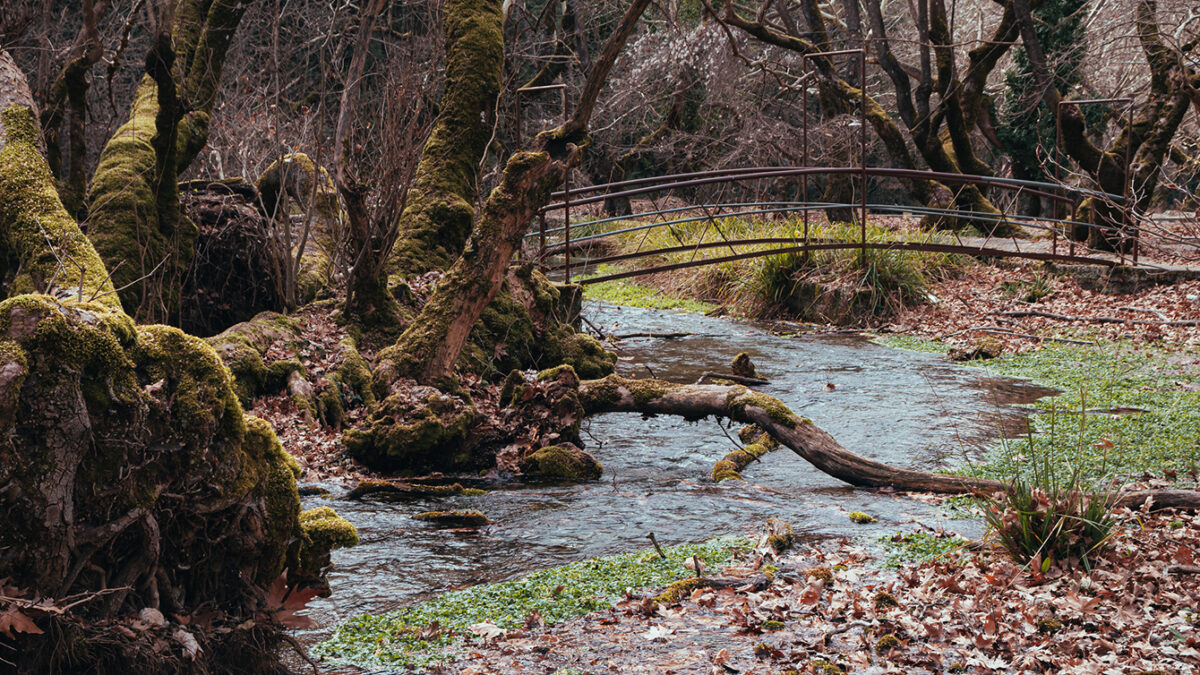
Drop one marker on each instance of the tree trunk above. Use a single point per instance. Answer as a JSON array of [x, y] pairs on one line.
[[133, 200], [430, 346], [41, 246], [439, 212]]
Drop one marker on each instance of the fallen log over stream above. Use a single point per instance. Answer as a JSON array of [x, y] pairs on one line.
[[741, 404]]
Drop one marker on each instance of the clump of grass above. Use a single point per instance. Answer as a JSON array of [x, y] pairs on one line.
[[633, 294], [886, 281], [1046, 517], [1040, 287], [429, 633], [881, 283]]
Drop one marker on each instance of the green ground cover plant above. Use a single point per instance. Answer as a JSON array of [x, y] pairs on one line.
[[430, 632]]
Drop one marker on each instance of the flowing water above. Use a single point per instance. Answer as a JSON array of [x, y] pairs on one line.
[[904, 408]]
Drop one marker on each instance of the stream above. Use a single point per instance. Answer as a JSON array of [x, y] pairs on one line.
[[904, 408]]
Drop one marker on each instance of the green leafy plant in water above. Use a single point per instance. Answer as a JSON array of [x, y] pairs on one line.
[[429, 633]]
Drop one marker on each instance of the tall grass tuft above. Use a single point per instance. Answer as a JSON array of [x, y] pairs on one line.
[[1052, 512]]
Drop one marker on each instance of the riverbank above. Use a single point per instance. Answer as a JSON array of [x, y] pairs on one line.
[[830, 608]]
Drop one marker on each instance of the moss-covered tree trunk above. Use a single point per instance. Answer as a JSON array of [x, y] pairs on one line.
[[42, 249], [439, 213], [430, 347], [133, 202], [925, 128], [1156, 121]]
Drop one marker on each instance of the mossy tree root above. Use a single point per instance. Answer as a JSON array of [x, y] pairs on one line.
[[128, 463], [696, 401]]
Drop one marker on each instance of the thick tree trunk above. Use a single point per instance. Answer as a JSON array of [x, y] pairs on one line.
[[133, 200], [439, 212], [695, 401], [430, 346]]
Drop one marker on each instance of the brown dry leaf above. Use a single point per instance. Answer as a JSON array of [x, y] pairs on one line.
[[15, 621]]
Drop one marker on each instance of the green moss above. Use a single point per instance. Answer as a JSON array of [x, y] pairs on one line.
[[321, 530], [278, 372], [645, 391], [387, 488], [438, 215], [355, 374], [562, 462], [884, 600], [886, 644], [589, 358], [822, 667], [36, 232], [1049, 625], [678, 590], [730, 467], [163, 418], [124, 221], [780, 535], [415, 434], [726, 470], [740, 398], [558, 372], [601, 395], [822, 573], [392, 640], [297, 176], [624, 292], [243, 347], [861, 518]]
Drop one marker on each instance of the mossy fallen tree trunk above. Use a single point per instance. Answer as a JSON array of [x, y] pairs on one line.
[[696, 401]]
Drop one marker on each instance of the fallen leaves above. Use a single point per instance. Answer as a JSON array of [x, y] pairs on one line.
[[977, 613]]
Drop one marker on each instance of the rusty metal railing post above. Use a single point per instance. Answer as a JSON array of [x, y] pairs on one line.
[[862, 153], [1126, 194], [804, 146], [862, 123]]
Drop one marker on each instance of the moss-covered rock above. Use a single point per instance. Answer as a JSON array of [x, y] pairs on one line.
[[243, 348], [391, 489], [454, 518], [562, 462], [416, 430], [321, 531]]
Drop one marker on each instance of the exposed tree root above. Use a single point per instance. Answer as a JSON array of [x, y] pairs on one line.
[[696, 401]]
